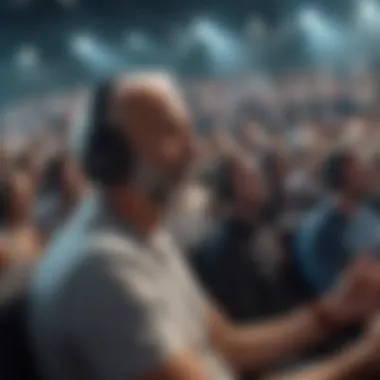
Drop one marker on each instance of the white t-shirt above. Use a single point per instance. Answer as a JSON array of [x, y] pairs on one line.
[[106, 304], [189, 218]]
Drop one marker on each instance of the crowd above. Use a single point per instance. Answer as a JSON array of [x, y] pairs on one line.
[[281, 201]]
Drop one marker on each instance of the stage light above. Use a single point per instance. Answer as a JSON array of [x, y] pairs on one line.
[[27, 57], [202, 29], [309, 18], [255, 28], [368, 13], [82, 45], [136, 41], [368, 9]]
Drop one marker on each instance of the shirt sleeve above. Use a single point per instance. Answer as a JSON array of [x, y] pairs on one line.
[[324, 256], [122, 327]]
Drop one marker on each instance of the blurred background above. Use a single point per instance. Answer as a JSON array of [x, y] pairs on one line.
[[296, 75], [291, 58], [58, 45], [282, 81]]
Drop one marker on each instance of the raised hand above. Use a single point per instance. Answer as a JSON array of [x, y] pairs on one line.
[[357, 297]]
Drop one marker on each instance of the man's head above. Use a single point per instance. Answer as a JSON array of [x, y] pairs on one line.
[[345, 173], [238, 184], [140, 136]]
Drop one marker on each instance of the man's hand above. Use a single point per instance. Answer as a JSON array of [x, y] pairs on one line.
[[370, 345], [256, 346], [357, 297], [360, 361]]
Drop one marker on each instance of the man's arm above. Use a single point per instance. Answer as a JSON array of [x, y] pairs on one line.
[[120, 325], [358, 362], [351, 365], [260, 345], [182, 366], [256, 346]]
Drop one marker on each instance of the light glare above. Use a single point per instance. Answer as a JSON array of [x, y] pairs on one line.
[[27, 57], [82, 45], [309, 18]]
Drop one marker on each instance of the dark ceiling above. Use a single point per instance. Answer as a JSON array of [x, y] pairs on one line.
[[35, 14], [47, 24], [28, 21]]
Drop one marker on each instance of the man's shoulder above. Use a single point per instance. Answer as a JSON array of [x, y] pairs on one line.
[[104, 246], [106, 242], [105, 266], [90, 229], [326, 225], [368, 212], [80, 250], [321, 217]]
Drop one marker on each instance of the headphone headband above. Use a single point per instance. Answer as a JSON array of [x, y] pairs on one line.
[[107, 154], [101, 99]]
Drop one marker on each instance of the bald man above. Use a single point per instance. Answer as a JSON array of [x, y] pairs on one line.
[[113, 298]]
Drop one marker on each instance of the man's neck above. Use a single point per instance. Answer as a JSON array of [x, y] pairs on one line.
[[134, 209]]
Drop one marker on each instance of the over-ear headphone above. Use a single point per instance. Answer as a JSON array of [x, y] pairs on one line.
[[107, 153]]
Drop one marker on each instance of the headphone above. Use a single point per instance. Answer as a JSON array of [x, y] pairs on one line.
[[107, 153]]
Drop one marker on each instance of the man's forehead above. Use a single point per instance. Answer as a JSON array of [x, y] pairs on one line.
[[156, 94], [246, 161]]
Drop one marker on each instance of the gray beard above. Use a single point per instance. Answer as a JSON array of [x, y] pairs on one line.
[[155, 186], [160, 194]]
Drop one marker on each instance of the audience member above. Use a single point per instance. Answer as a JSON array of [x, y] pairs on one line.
[[227, 262], [16, 224], [341, 227]]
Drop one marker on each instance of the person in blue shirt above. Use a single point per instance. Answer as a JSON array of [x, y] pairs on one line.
[[341, 226]]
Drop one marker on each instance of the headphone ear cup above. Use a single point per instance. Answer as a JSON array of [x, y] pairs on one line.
[[108, 154], [109, 160]]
